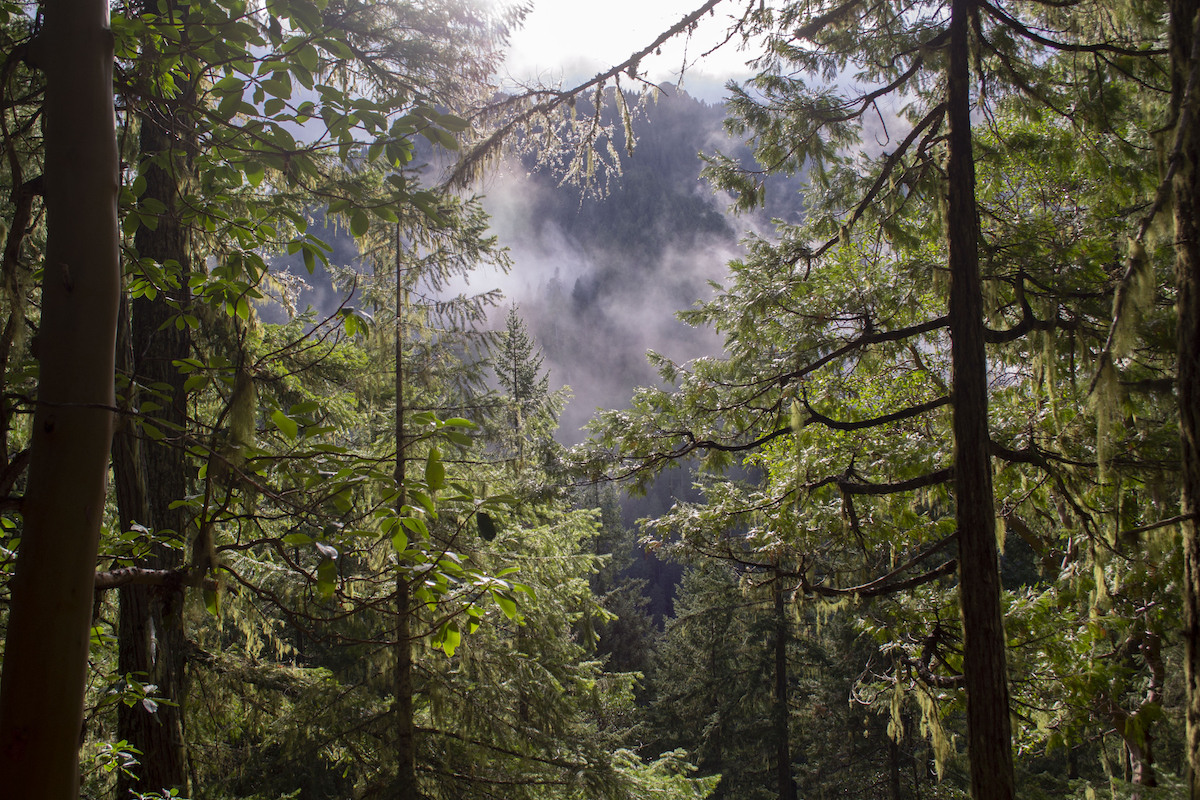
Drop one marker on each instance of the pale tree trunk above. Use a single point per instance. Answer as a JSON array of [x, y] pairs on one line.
[[46, 651], [406, 748], [988, 727], [1187, 304]]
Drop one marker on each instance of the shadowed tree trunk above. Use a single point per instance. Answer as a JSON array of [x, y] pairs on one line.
[[150, 476], [1186, 191], [988, 727], [785, 785], [45, 664]]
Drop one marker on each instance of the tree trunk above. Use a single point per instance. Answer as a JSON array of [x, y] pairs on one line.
[[1186, 191], [151, 476], [45, 664], [1141, 763], [988, 726], [406, 755], [406, 750], [893, 769], [785, 785]]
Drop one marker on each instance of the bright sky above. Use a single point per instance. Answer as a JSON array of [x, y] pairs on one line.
[[568, 40]]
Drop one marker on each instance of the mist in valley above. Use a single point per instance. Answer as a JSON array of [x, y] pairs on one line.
[[599, 276]]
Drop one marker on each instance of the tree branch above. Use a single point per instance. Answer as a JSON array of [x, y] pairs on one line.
[[880, 586], [1019, 28], [838, 425], [465, 170], [126, 576], [921, 481]]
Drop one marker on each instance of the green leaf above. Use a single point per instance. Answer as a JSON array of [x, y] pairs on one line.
[[285, 423], [229, 84], [425, 500], [435, 470], [360, 223], [212, 601], [385, 213], [450, 638], [507, 604], [487, 526], [98, 636], [308, 57], [195, 382], [459, 438], [453, 123], [254, 172], [400, 541], [297, 538], [416, 525], [326, 578], [186, 365]]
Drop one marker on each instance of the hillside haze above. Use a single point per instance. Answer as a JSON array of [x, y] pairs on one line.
[[599, 275]]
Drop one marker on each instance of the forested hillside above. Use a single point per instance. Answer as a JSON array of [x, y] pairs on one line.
[[601, 271], [922, 455]]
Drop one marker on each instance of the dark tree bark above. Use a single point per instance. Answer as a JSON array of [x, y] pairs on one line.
[[151, 475], [785, 784], [1186, 190], [988, 727], [45, 664], [893, 769]]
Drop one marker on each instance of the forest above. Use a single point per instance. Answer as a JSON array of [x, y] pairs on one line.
[[906, 509]]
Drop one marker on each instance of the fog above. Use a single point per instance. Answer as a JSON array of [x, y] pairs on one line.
[[599, 279]]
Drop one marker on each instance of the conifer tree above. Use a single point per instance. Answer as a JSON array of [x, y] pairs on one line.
[[838, 295]]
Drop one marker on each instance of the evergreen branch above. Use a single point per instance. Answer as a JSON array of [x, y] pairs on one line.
[[1022, 83], [833, 15], [464, 171], [1028, 323], [1018, 27], [868, 338], [469, 779], [1030, 455], [921, 481], [553, 762], [277, 679], [1191, 98], [694, 444], [928, 676], [880, 586], [1162, 523], [933, 118], [895, 416]]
